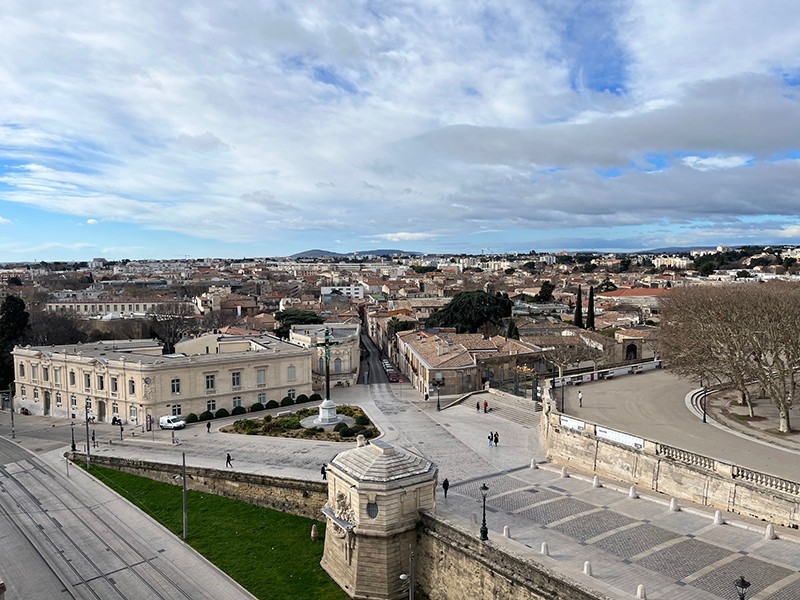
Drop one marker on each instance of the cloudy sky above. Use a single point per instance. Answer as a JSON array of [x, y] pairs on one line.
[[222, 128]]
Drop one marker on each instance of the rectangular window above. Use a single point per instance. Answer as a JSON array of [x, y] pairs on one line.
[[176, 386], [22, 369], [35, 394], [176, 410], [87, 380], [134, 412], [72, 378], [291, 373], [46, 373], [261, 377], [57, 375], [73, 402], [211, 383], [262, 398], [292, 393], [58, 398], [114, 385], [22, 391], [101, 382], [236, 379], [131, 387], [34, 372], [114, 408], [237, 401], [89, 405], [211, 405]]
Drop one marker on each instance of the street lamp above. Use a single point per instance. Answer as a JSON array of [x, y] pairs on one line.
[[484, 529], [88, 448], [438, 383], [703, 392], [741, 587], [409, 577], [72, 427]]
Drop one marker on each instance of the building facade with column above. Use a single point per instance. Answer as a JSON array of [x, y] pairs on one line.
[[133, 381], [345, 351]]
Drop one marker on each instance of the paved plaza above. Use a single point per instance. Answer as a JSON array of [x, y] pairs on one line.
[[627, 541]]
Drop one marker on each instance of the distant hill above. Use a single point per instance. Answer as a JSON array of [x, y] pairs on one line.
[[316, 253]]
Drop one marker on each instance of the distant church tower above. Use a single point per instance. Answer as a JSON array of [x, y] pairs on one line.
[[375, 493]]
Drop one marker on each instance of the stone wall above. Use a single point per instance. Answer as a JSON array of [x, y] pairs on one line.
[[454, 564], [668, 470], [303, 498]]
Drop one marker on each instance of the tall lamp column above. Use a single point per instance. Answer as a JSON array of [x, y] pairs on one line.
[[484, 529]]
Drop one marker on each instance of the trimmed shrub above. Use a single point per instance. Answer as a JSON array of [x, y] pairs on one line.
[[301, 399], [256, 406], [191, 418], [315, 398], [206, 416], [287, 401], [362, 420], [222, 413], [340, 426], [239, 410], [369, 434], [272, 404], [267, 418], [347, 432]]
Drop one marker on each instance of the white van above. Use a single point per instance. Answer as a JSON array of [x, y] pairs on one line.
[[171, 422]]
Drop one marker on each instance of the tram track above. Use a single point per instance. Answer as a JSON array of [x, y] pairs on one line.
[[46, 519]]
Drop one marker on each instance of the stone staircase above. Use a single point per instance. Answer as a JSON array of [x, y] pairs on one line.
[[518, 410]]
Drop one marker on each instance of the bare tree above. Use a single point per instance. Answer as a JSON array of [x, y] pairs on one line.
[[170, 322], [735, 336]]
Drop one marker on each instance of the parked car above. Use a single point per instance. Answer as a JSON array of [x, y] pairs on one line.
[[171, 422]]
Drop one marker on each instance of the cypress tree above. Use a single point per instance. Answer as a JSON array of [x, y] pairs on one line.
[[590, 310], [579, 309]]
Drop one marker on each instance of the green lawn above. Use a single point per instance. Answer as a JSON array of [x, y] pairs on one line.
[[268, 552]]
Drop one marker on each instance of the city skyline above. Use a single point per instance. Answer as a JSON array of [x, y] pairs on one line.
[[158, 130]]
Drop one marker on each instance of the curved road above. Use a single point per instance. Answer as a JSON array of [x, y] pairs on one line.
[[652, 405]]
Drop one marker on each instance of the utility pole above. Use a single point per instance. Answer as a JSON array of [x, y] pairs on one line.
[[185, 513], [88, 448]]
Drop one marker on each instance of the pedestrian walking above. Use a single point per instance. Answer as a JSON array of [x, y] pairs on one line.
[[324, 471], [478, 406], [228, 460], [580, 399], [208, 426], [491, 439], [446, 486], [426, 397], [485, 406], [496, 439]]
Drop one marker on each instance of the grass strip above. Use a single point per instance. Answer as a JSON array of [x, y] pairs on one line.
[[267, 552]]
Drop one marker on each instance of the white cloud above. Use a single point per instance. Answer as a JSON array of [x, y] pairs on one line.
[[340, 121], [4, 221], [715, 162]]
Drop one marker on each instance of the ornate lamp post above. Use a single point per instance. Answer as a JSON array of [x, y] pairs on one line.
[[484, 529], [741, 587], [438, 383], [72, 427]]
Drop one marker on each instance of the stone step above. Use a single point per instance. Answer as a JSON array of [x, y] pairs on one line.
[[516, 413]]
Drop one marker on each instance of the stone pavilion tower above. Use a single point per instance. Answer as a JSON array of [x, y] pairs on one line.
[[375, 493]]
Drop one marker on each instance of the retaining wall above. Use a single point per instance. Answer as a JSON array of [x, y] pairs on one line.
[[679, 473]]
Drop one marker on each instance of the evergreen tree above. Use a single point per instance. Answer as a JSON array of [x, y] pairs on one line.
[[13, 326], [512, 333], [579, 309], [468, 311], [590, 310]]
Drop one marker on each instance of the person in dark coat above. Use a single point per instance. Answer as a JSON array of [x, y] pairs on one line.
[[496, 439], [478, 406], [228, 460], [446, 486], [324, 471], [491, 439], [208, 426]]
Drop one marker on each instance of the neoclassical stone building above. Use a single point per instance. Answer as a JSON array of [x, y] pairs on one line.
[[134, 381], [345, 349]]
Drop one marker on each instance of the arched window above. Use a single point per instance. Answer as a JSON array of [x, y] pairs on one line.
[[337, 365], [321, 365]]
